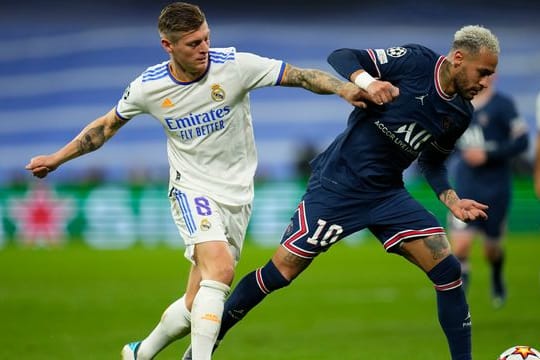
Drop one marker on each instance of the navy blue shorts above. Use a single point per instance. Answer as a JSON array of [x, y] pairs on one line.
[[324, 217]]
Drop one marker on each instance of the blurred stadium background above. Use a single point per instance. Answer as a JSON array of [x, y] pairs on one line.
[[63, 63]]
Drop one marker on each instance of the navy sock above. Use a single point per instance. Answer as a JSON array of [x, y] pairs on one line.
[[250, 291], [452, 307], [496, 276]]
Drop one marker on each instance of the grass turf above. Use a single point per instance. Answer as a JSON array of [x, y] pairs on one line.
[[354, 302]]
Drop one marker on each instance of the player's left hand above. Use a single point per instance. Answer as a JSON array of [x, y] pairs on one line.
[[354, 95], [468, 210], [41, 166]]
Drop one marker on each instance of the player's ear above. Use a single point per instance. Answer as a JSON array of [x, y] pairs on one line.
[[167, 45], [458, 57]]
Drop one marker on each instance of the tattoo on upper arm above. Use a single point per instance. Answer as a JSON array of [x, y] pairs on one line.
[[91, 140], [116, 123]]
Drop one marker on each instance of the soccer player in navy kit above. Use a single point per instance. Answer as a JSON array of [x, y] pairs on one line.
[[421, 107], [497, 134]]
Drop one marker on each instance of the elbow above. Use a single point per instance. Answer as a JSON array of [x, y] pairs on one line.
[[335, 57]]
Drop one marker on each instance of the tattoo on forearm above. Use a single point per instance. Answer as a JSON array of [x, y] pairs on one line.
[[91, 140], [438, 245], [449, 197], [314, 80]]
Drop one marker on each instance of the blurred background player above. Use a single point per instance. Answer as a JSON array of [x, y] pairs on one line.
[[537, 153], [200, 96], [483, 170], [421, 106]]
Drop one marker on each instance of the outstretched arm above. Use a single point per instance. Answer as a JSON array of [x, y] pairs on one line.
[[349, 64], [91, 138], [321, 82], [463, 209]]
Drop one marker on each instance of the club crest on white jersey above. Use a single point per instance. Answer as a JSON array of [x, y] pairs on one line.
[[218, 94]]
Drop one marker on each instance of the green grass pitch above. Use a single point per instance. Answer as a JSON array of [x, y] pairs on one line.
[[354, 302]]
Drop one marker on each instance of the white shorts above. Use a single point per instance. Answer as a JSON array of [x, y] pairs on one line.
[[199, 219]]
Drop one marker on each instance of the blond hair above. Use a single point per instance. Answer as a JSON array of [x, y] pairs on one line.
[[474, 38]]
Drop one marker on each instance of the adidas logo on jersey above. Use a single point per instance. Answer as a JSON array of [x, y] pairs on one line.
[[167, 103]]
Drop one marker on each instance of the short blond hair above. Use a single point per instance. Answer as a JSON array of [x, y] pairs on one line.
[[473, 38]]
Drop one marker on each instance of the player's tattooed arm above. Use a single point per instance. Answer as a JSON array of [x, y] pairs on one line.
[[313, 80], [92, 137], [449, 198], [463, 209], [95, 134], [321, 82]]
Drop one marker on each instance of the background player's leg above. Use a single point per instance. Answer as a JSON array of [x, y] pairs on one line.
[[494, 254], [462, 240], [432, 254]]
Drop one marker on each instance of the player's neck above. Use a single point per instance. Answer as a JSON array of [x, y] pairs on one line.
[[183, 75], [445, 78]]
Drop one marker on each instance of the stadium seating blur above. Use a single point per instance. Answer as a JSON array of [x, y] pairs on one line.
[[63, 64]]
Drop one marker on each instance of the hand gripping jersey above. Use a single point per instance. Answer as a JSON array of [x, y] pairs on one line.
[[368, 159], [210, 143]]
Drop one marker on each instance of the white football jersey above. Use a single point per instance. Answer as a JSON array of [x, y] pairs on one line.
[[210, 142]]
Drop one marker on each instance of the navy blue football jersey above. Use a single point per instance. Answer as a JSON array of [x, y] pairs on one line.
[[380, 142], [497, 128]]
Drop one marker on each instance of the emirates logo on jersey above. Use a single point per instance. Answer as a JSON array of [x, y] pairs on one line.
[[218, 94]]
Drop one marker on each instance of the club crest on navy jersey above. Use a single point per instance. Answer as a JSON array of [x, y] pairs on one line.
[[218, 94], [396, 51]]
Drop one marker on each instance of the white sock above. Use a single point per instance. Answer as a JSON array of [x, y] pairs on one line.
[[174, 324], [206, 317]]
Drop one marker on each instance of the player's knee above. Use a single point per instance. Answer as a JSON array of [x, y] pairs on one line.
[[446, 275], [223, 272]]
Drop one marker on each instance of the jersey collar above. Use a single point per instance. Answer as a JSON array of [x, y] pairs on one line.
[[436, 78]]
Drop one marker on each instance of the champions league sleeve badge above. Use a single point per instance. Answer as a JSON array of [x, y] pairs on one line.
[[397, 51], [126, 92]]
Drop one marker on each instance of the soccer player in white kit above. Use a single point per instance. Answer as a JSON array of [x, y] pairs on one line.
[[200, 97]]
